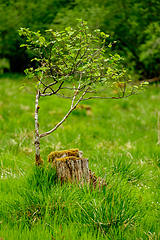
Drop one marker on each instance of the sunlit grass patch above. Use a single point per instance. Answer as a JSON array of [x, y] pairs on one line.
[[119, 138]]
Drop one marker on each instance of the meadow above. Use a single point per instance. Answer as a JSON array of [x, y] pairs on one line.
[[119, 137]]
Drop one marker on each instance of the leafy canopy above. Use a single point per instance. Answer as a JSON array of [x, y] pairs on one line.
[[77, 57]]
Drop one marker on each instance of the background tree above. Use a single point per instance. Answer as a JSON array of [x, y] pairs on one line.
[[150, 49], [72, 64], [31, 14], [128, 22]]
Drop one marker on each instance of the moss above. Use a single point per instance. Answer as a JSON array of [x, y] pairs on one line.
[[73, 152], [38, 160], [62, 154], [68, 158]]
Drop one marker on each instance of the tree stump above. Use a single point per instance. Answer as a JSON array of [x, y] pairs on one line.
[[70, 166]]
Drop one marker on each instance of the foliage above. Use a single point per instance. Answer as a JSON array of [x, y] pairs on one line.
[[150, 50], [125, 21], [77, 57], [71, 54], [4, 65], [72, 64]]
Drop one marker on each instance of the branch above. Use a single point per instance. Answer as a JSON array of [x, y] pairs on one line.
[[58, 87], [65, 117], [74, 97], [119, 97], [76, 90], [75, 65], [51, 93], [46, 86], [49, 85], [69, 88], [63, 96], [46, 94], [28, 91]]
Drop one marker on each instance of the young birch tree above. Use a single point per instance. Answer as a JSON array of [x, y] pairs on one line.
[[73, 64]]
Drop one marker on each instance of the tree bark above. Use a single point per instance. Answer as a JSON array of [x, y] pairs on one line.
[[38, 159], [70, 166], [74, 170]]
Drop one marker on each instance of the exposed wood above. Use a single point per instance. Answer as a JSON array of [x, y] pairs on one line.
[[70, 166], [73, 169]]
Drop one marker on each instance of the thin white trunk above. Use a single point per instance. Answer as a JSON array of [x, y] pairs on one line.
[[37, 137]]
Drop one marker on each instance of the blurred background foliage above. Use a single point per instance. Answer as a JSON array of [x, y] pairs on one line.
[[134, 24]]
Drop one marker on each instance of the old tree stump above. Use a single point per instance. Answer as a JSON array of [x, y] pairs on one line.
[[70, 166]]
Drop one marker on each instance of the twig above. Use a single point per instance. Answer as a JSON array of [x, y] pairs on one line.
[[29, 91], [119, 97]]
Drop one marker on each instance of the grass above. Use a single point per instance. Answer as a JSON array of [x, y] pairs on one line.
[[119, 138]]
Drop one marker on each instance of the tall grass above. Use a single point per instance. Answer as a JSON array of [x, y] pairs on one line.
[[119, 138]]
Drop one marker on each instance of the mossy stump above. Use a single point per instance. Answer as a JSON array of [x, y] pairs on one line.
[[70, 166]]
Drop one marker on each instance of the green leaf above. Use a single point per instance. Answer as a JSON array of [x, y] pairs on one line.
[[41, 39], [68, 29], [23, 45], [22, 86], [146, 83], [97, 30]]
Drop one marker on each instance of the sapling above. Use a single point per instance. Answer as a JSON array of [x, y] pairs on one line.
[[74, 64]]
